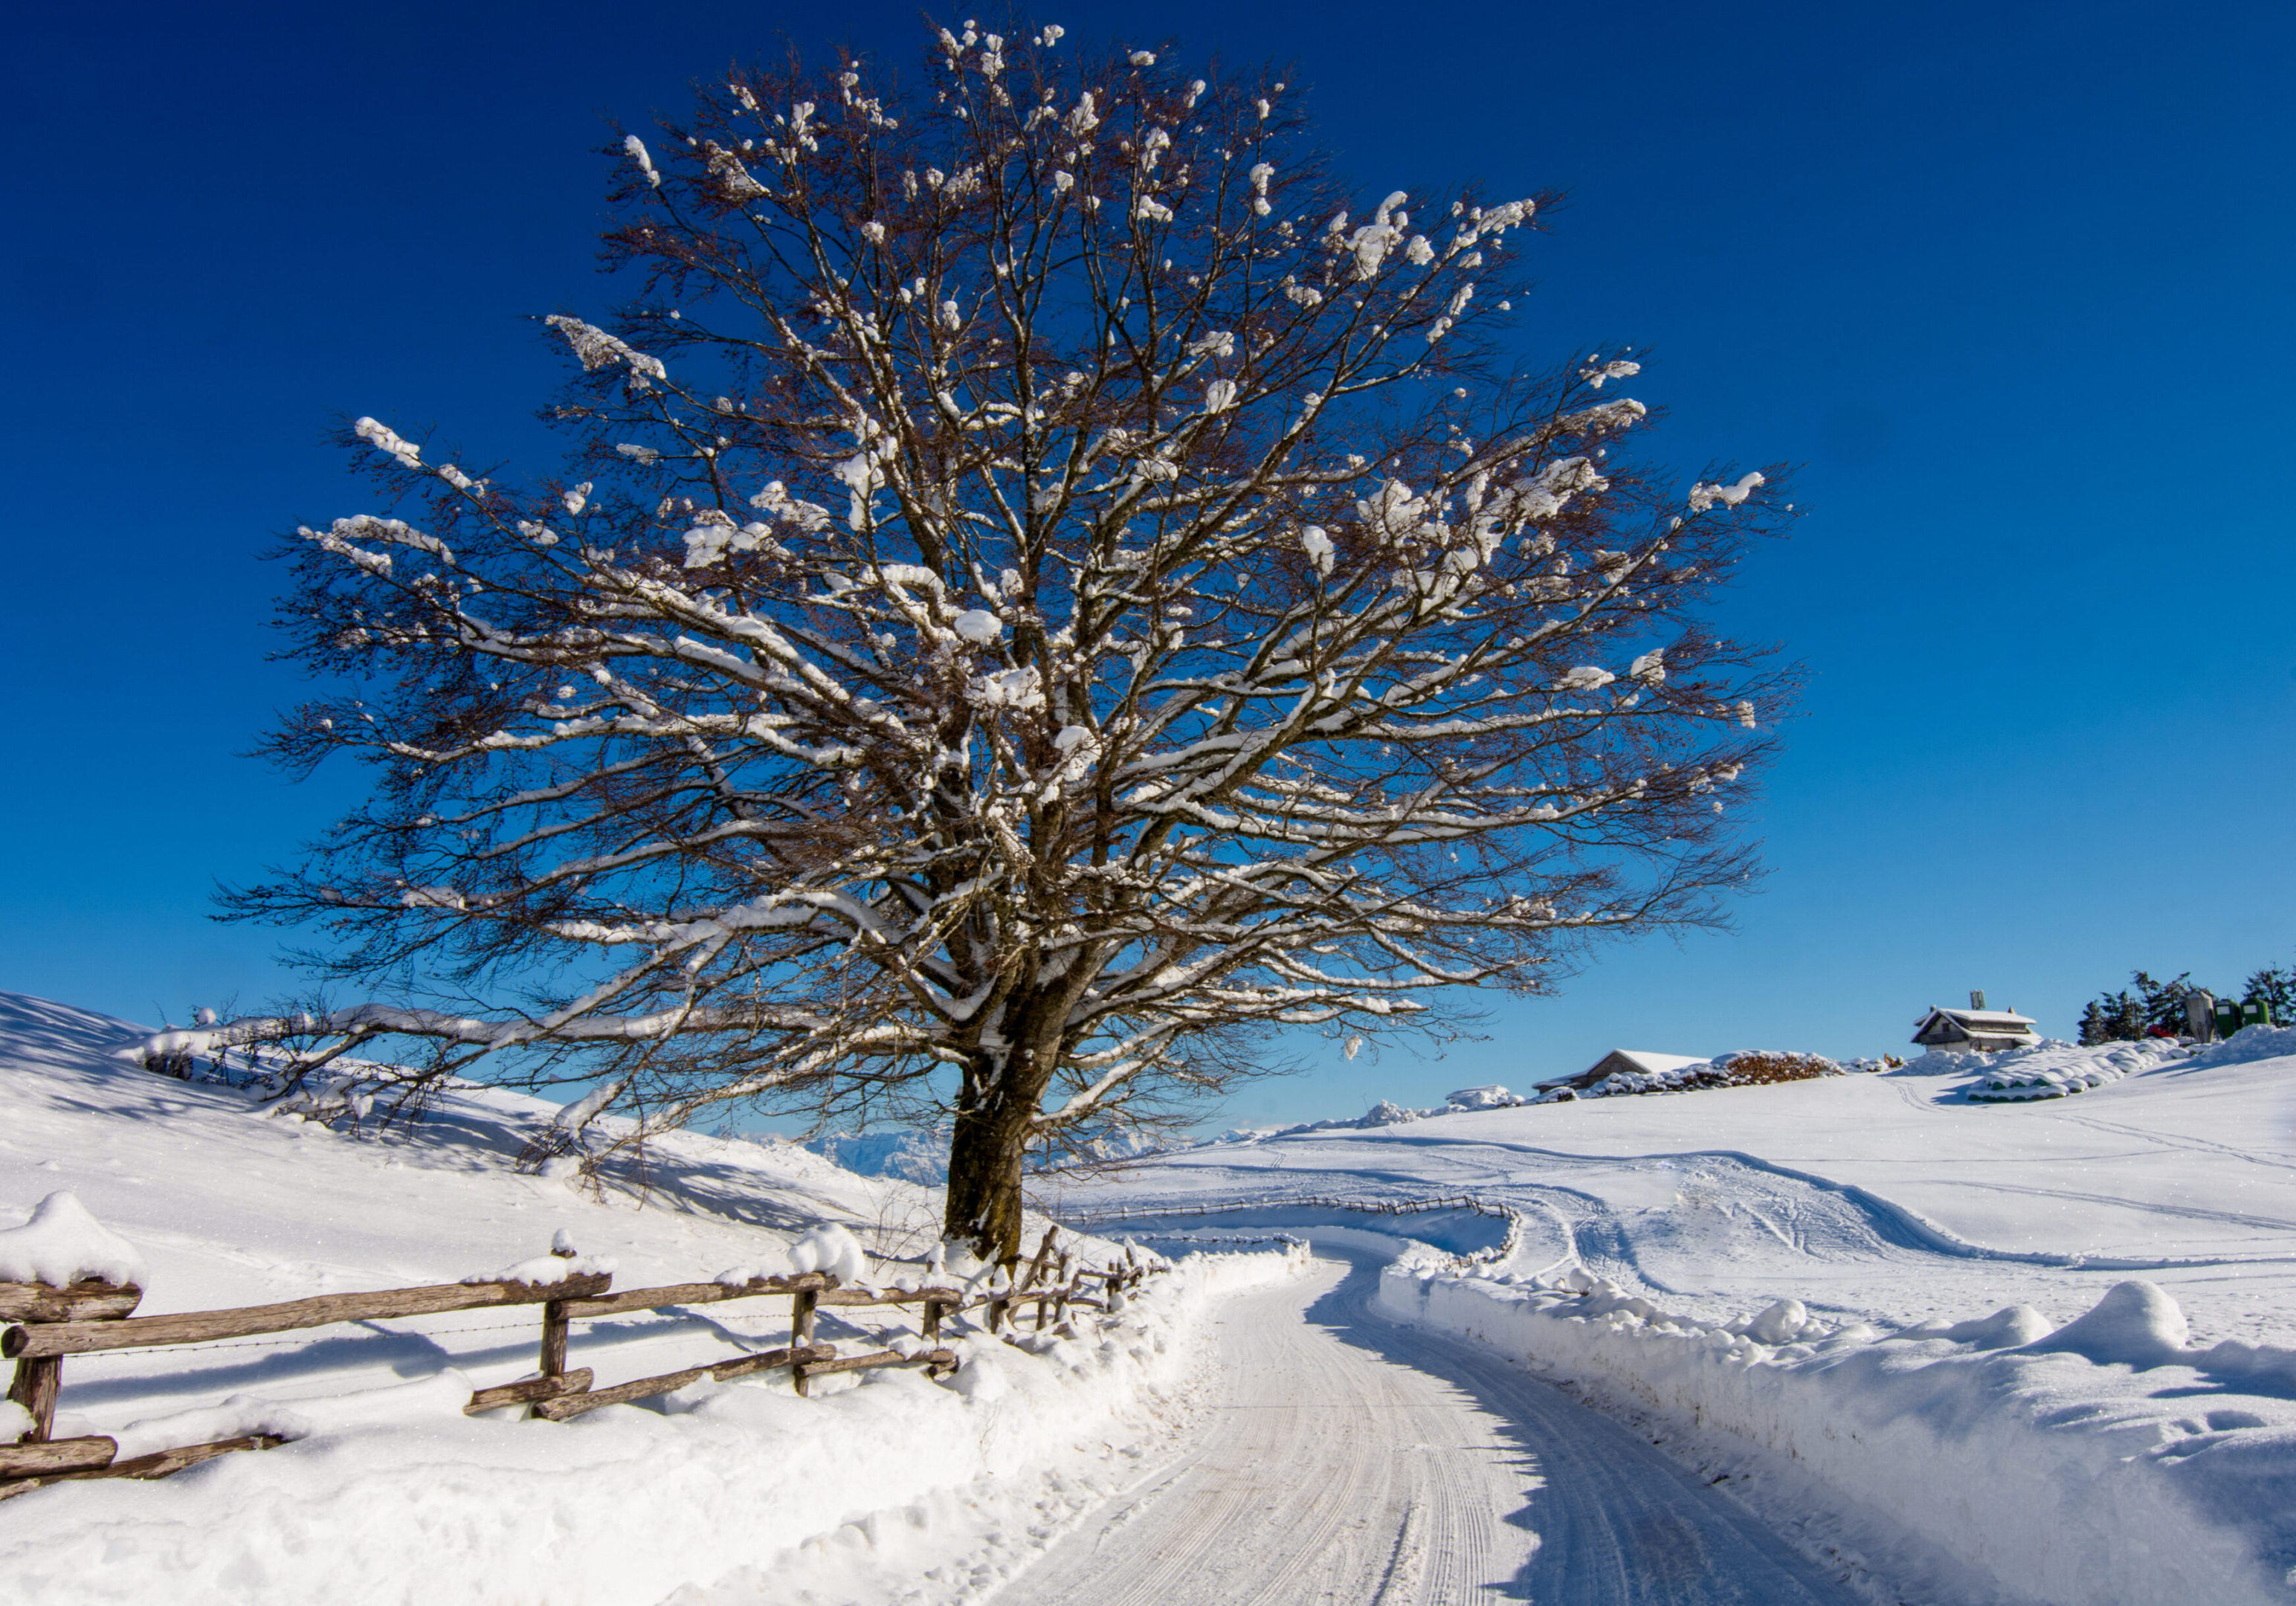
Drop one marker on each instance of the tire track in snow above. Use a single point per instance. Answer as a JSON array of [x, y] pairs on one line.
[[1351, 1459]]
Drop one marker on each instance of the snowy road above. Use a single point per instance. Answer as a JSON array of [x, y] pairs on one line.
[[1349, 1459]]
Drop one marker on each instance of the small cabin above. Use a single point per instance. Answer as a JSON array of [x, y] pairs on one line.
[[1976, 1029], [1630, 1062]]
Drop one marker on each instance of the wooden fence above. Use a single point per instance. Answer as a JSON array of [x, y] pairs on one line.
[[47, 1323]]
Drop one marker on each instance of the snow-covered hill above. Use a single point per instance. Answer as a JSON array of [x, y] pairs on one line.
[[1894, 1196], [894, 1488]]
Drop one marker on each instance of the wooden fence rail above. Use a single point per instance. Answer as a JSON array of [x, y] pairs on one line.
[[38, 1339], [48, 1323]]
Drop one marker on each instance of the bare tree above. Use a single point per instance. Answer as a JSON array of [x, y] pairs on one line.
[[1051, 593]]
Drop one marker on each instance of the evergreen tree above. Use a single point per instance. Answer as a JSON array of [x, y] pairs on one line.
[[2161, 1003], [2274, 988], [2112, 1018], [2127, 1016]]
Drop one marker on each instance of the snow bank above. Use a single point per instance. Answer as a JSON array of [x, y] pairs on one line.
[[395, 1406], [62, 1243], [2106, 1461], [2249, 1042], [1492, 1095], [723, 1492], [240, 1416]]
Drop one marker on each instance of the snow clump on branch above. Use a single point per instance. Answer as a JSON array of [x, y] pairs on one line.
[[594, 348], [1704, 497]]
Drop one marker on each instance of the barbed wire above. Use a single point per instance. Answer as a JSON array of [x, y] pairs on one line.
[[384, 1332], [649, 1318]]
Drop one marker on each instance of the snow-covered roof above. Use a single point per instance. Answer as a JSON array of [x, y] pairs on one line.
[[1640, 1060], [1977, 1019], [1644, 1060]]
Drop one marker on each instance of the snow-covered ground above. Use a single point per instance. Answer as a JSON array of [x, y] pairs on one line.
[[893, 1488], [1970, 1349], [1849, 1311]]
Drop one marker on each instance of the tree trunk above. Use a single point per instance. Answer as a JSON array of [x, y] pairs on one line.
[[986, 1152]]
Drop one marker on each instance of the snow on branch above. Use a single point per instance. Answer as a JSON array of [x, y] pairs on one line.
[[594, 348]]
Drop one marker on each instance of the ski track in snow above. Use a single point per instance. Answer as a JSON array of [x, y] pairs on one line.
[[1347, 1458]]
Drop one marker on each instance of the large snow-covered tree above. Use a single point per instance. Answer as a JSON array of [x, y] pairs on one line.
[[1052, 589]]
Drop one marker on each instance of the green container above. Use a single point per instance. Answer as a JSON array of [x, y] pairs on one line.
[[2231, 1016]]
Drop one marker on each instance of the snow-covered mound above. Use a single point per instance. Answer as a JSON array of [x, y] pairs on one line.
[[1492, 1096], [64, 1244], [2053, 1069], [199, 1193], [2249, 1044]]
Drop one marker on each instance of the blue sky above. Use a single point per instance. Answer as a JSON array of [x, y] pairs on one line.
[[2012, 283]]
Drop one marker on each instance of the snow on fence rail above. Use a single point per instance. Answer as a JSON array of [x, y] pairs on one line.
[[48, 1321]]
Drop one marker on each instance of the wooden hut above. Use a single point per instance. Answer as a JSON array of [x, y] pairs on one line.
[[1633, 1062], [1975, 1029]]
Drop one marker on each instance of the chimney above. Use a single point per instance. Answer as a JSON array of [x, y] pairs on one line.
[[1976, 997]]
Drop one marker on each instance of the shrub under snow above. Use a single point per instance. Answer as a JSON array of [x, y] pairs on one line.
[[2053, 1069], [1747, 1069]]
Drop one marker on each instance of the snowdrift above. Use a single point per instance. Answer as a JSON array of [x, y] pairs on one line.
[[2105, 1463]]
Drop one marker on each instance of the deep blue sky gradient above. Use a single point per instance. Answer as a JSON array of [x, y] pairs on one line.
[[2011, 281]]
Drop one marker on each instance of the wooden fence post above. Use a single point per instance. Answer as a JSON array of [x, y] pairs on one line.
[[39, 1380], [1036, 1266], [553, 1339], [554, 1323], [929, 1326], [801, 1307]]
